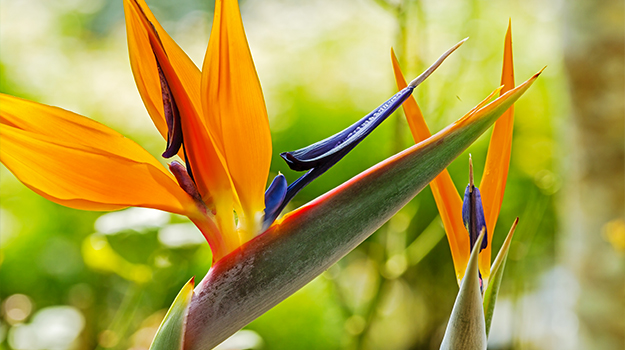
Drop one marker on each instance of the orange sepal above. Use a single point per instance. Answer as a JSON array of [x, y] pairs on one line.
[[493, 182], [206, 162], [234, 109], [445, 194], [144, 66], [79, 163]]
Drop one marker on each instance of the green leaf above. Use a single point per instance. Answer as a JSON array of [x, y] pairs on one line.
[[466, 328], [170, 334], [266, 270], [499, 265]]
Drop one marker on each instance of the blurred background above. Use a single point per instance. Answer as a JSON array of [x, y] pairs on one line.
[[82, 280]]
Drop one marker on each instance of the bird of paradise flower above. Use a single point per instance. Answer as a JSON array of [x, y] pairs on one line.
[[465, 219], [493, 182], [216, 121]]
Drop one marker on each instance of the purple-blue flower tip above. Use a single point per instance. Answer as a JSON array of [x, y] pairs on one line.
[[473, 215]]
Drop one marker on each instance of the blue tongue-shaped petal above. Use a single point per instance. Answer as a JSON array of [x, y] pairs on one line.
[[321, 156], [341, 143]]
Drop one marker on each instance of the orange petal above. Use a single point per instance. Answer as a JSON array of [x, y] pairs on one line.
[[206, 162], [144, 66], [235, 110], [79, 163], [445, 194], [495, 175]]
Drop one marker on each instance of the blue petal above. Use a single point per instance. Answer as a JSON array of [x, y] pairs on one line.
[[274, 197], [473, 215], [341, 143]]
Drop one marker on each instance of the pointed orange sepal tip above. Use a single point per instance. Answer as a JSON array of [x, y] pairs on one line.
[[478, 113], [77, 162], [234, 109], [479, 106], [143, 62], [445, 194], [495, 175], [414, 116]]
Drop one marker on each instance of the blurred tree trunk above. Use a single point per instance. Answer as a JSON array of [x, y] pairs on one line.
[[592, 243]]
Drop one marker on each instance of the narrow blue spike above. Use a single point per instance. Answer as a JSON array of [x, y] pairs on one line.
[[341, 143], [274, 197]]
